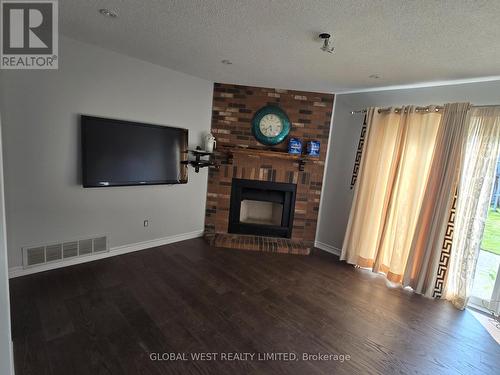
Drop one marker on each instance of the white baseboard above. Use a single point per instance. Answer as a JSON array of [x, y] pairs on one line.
[[328, 248], [118, 250]]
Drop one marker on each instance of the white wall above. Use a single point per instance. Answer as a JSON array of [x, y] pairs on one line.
[[44, 199], [6, 365], [337, 196]]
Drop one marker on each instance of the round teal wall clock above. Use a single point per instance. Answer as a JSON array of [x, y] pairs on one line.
[[270, 125]]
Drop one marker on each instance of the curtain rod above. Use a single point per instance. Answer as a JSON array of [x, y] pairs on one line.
[[437, 108]]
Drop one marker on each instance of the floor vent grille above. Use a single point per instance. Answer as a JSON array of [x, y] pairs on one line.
[[84, 247], [37, 255], [53, 252], [70, 249]]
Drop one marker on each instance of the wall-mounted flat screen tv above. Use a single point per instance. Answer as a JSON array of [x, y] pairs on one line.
[[122, 153]]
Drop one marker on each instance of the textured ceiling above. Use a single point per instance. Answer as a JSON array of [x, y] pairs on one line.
[[274, 42]]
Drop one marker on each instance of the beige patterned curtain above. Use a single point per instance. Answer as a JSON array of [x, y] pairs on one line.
[[388, 196], [404, 193], [475, 188], [425, 251]]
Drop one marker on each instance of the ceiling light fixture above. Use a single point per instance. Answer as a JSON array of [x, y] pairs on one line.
[[326, 43], [226, 62], [108, 13]]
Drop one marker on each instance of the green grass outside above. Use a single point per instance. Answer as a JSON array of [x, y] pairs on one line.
[[491, 237]]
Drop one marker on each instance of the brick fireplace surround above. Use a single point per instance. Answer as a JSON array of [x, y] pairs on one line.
[[240, 155]]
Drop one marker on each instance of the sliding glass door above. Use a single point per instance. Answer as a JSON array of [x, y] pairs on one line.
[[486, 289]]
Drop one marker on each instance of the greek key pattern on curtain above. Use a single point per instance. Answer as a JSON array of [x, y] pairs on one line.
[[359, 153], [444, 258]]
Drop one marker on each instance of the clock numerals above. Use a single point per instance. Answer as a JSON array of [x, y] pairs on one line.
[[270, 125]]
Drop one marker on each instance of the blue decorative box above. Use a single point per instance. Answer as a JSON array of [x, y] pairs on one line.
[[294, 146], [313, 148]]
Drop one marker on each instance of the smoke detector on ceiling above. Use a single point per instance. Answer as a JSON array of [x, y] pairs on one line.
[[108, 13], [327, 45]]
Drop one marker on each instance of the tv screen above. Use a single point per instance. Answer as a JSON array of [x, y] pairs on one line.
[[121, 153]]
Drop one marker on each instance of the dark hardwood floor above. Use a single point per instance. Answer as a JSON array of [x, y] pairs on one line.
[[108, 316]]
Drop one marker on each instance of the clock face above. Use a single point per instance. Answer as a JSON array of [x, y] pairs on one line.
[[271, 125]]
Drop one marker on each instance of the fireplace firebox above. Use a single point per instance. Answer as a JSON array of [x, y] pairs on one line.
[[261, 208]]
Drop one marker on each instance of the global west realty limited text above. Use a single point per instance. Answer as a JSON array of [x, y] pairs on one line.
[[248, 356]]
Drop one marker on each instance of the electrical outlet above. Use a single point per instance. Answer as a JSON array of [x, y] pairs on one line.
[[146, 223]]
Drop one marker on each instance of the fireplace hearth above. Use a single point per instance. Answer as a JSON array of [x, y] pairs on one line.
[[261, 208]]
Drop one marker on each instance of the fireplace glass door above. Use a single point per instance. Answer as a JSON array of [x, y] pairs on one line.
[[262, 208]]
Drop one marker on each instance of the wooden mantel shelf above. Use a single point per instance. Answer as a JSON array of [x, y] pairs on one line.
[[266, 153], [252, 152]]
